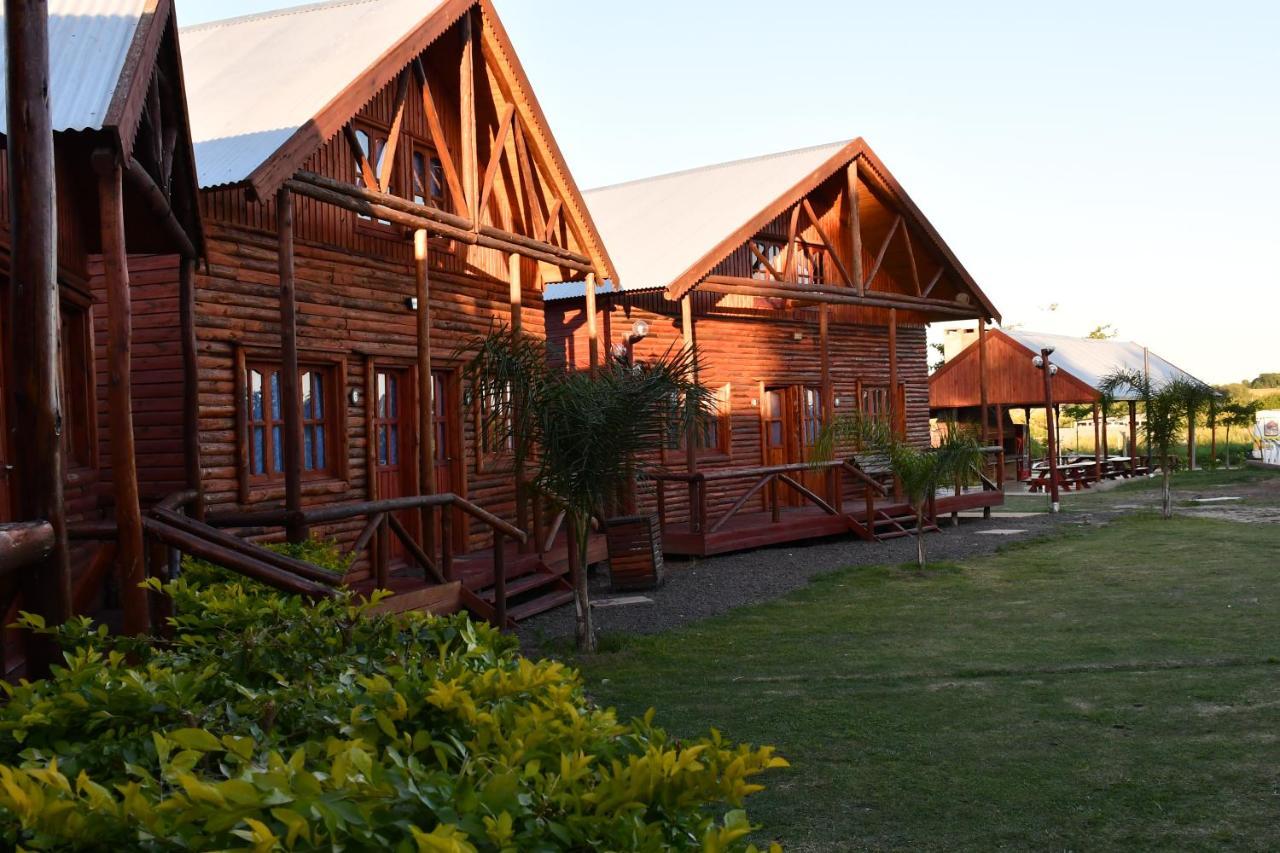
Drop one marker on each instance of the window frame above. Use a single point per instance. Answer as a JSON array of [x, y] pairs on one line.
[[373, 130], [270, 485], [489, 461], [722, 447], [79, 386]]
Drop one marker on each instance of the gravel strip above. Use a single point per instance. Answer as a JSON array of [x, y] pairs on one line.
[[696, 589]]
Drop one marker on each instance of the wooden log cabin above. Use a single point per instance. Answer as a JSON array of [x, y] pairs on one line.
[[805, 281], [380, 189], [990, 371], [99, 234]]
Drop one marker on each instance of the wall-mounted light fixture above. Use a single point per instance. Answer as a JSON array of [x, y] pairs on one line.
[[639, 331], [411, 303]]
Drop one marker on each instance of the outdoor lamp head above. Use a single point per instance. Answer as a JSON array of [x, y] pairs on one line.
[[1037, 362], [1053, 370], [639, 330]]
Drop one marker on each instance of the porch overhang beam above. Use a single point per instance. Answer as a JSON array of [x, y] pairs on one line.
[[820, 294]]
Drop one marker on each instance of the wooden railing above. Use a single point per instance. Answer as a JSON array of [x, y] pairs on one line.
[[172, 533], [24, 543], [767, 481]]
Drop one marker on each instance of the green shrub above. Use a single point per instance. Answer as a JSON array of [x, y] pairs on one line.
[[270, 723]]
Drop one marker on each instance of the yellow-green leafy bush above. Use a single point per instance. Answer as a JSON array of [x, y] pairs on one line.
[[270, 723]]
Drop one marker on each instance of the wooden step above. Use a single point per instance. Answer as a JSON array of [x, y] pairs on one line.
[[542, 604], [537, 580], [438, 599]]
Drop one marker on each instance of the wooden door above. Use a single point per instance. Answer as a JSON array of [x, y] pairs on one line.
[[6, 464], [446, 436], [394, 450], [810, 411], [792, 423]]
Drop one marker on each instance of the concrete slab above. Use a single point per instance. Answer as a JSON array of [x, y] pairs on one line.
[[998, 531], [622, 601], [1214, 500]]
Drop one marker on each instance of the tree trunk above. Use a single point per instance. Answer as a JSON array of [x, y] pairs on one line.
[[1166, 496], [1228, 450], [920, 561], [578, 535]]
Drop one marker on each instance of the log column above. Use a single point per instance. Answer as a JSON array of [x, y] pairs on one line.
[[34, 320], [690, 440], [1133, 438], [190, 384], [296, 528], [124, 464], [593, 334], [516, 286], [982, 376], [893, 387], [828, 394], [426, 388], [1097, 445]]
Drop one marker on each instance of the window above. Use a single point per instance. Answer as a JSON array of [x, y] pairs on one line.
[[810, 263], [809, 260], [811, 416], [428, 178], [495, 441], [771, 251], [714, 437], [373, 145], [875, 402], [77, 387], [265, 421]]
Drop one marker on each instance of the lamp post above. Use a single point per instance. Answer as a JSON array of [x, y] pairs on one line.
[[1041, 363]]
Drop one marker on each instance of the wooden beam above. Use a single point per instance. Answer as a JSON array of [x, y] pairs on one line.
[[426, 388], [439, 140], [831, 249], [789, 266], [33, 322], [833, 295], [124, 464], [495, 157], [515, 293], [467, 114], [158, 202], [933, 282], [289, 389], [191, 451], [884, 247], [393, 135], [593, 337], [357, 201], [982, 375], [855, 228], [536, 221], [366, 170], [911, 256], [751, 244], [893, 369], [553, 219]]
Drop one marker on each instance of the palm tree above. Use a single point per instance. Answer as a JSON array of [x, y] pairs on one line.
[[1239, 414], [583, 429], [1167, 408], [921, 472]]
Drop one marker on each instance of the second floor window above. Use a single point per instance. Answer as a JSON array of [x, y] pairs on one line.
[[373, 147], [428, 178]]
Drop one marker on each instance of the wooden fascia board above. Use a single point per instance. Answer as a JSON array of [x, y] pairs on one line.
[[191, 181], [688, 279], [509, 71], [890, 184], [124, 113], [280, 166]]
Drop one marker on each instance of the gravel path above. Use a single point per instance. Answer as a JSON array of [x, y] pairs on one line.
[[699, 588]]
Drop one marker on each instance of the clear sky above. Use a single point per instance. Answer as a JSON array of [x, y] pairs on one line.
[[1120, 161]]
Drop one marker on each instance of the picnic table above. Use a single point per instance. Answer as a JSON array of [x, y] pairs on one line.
[[1079, 471]]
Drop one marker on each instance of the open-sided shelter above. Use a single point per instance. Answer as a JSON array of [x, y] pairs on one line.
[[805, 279]]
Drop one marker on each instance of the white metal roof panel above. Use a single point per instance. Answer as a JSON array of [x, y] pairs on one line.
[[253, 81], [656, 228], [88, 43], [1091, 360]]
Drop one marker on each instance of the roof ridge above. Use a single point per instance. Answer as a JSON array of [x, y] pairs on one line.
[[713, 166], [273, 13]]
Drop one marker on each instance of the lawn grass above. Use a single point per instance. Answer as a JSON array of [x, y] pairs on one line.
[[1112, 687]]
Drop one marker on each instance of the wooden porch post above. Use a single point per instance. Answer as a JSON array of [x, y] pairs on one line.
[[893, 387], [690, 441], [124, 463], [1097, 442], [982, 375], [1026, 436], [1133, 438], [828, 395], [1000, 441], [855, 230], [426, 389], [291, 407], [1106, 447], [593, 334], [517, 324], [190, 384], [34, 319]]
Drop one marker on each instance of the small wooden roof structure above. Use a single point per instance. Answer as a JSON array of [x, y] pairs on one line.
[[674, 232], [115, 82], [1083, 364], [268, 90]]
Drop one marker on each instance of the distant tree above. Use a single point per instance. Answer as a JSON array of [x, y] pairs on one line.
[[1105, 332], [1238, 413], [1167, 408], [942, 353], [1266, 380], [921, 472]]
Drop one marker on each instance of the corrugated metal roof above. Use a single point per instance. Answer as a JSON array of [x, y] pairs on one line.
[[253, 81], [1090, 360], [656, 228], [88, 43]]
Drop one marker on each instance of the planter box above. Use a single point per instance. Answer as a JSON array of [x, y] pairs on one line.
[[635, 552]]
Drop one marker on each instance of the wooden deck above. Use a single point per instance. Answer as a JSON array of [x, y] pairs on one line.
[[747, 530]]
